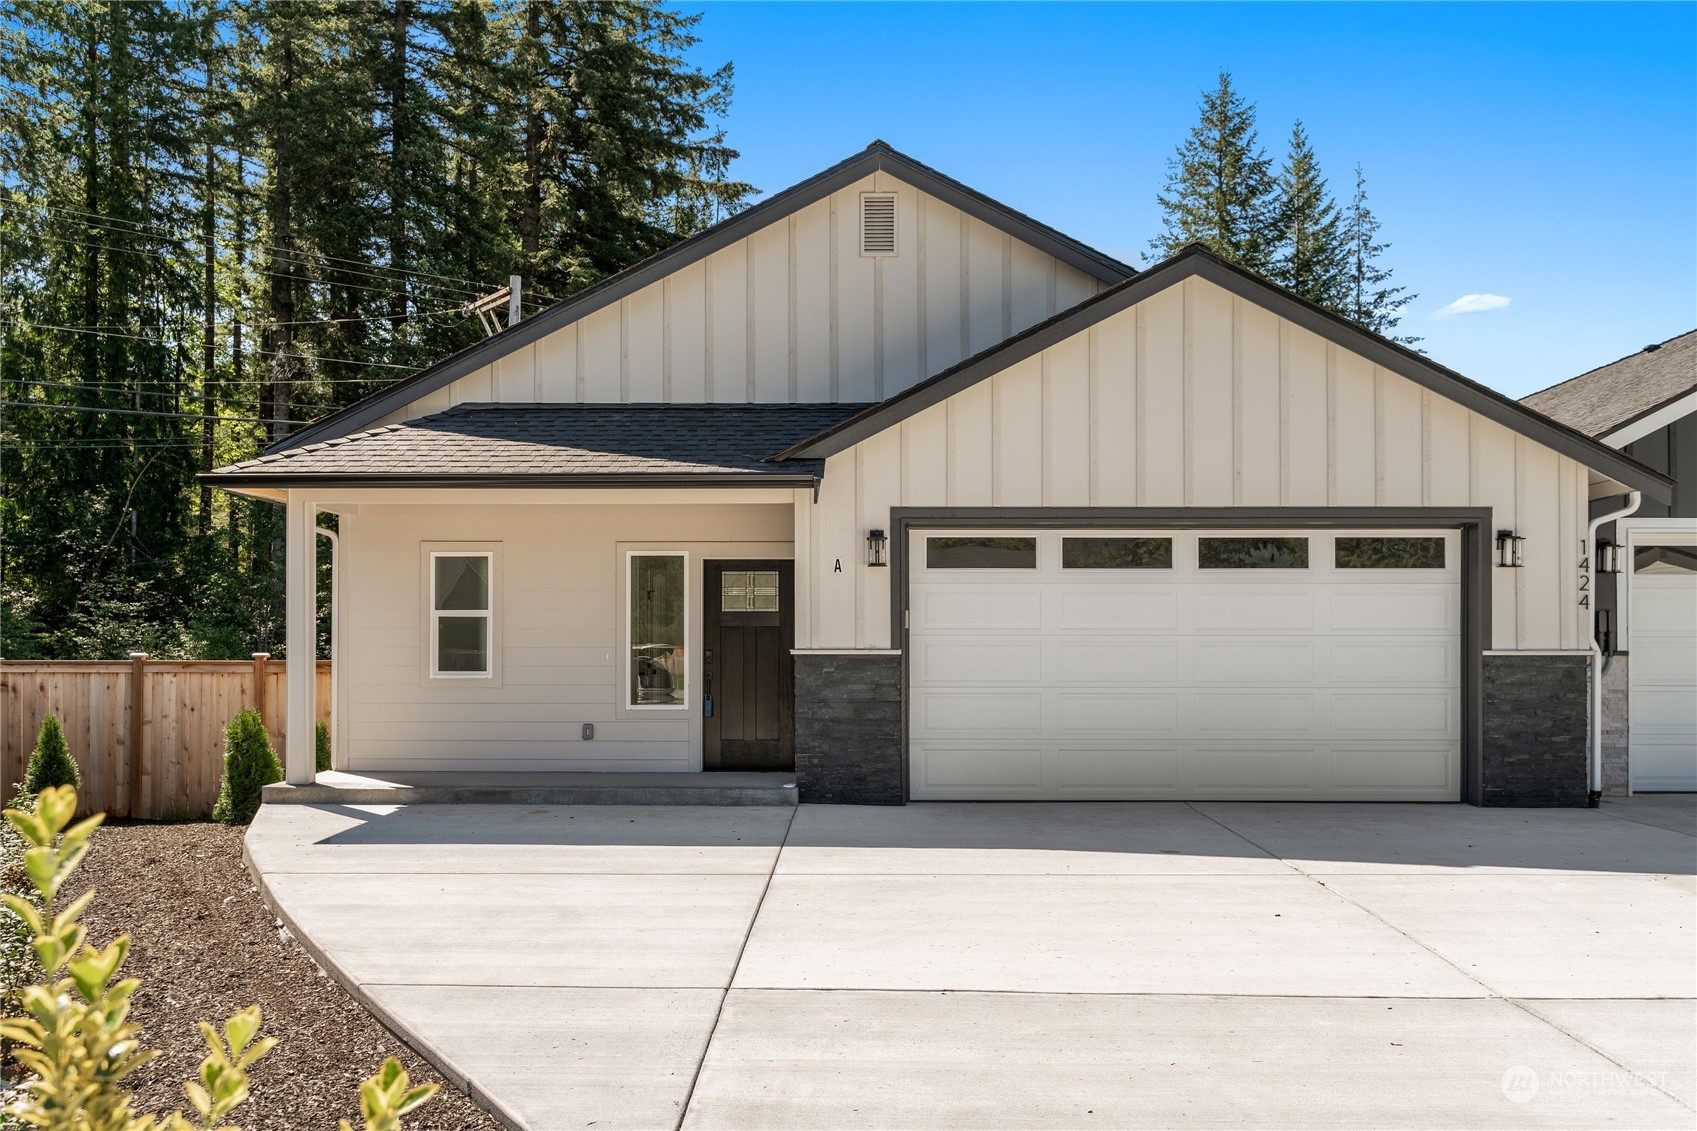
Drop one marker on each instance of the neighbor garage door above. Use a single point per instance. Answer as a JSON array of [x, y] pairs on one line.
[[1295, 665]]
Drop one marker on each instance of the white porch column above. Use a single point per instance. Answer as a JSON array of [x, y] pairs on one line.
[[301, 589]]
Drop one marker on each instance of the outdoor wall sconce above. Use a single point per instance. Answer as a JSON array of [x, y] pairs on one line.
[[1608, 557], [1509, 552], [875, 548]]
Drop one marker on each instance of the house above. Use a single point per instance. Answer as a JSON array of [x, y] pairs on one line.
[[1646, 406], [886, 482]]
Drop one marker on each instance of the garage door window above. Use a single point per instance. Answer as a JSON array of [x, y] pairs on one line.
[[1665, 560], [980, 553], [1116, 553], [1252, 553], [1390, 553]]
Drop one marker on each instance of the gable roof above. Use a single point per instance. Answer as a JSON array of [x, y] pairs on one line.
[[1613, 396], [877, 157], [572, 445], [1196, 260]]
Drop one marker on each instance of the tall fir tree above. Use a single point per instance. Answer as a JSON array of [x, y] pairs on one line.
[[1369, 297], [223, 218], [1311, 259], [1220, 186]]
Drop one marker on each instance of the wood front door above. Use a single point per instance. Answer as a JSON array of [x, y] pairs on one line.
[[748, 630]]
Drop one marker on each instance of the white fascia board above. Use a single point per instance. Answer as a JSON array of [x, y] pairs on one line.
[[1644, 425]]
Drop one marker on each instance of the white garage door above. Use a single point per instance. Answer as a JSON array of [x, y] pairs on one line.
[[1296, 665], [1662, 668]]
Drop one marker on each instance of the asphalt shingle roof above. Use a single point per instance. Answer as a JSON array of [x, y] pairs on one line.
[[1599, 402], [554, 440]]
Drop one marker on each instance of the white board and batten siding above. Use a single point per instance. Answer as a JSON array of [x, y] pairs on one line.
[[1196, 398], [559, 633], [794, 313]]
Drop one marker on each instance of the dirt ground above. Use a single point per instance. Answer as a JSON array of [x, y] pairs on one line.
[[204, 946]]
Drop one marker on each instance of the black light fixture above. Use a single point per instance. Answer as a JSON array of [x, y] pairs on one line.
[[1608, 556], [875, 548], [1509, 553]]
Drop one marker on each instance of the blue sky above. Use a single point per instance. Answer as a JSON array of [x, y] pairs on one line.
[[1542, 153]]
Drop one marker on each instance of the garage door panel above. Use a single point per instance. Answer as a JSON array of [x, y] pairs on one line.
[[979, 767], [1122, 663], [1256, 768], [984, 608], [1663, 604], [1171, 681], [1380, 609], [1394, 767], [1117, 713], [1228, 660], [1667, 710], [965, 713], [991, 660], [1118, 767], [1394, 661], [1665, 660], [1253, 610], [1407, 713], [1250, 712], [1101, 610]]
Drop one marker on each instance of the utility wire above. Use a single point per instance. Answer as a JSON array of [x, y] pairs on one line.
[[253, 350], [146, 413]]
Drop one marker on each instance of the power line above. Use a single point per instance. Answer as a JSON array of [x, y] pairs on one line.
[[152, 415], [467, 286], [126, 391], [250, 349]]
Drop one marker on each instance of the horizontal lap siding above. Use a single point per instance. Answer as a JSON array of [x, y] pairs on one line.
[[1197, 398], [559, 630]]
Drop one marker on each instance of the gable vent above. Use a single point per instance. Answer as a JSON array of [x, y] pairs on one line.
[[877, 223]]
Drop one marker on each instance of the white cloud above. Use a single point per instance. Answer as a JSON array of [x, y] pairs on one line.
[[1473, 304]]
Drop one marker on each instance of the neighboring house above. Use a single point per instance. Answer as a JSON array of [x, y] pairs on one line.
[[1646, 405], [927, 500]]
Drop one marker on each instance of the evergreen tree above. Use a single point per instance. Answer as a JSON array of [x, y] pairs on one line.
[[1312, 259], [250, 764], [51, 763], [1220, 186], [1369, 297], [222, 218]]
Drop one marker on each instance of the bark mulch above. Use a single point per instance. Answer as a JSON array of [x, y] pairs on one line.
[[204, 946]]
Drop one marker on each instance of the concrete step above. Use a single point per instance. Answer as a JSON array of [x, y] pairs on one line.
[[450, 788]]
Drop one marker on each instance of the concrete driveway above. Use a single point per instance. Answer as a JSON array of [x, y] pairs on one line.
[[1016, 965]]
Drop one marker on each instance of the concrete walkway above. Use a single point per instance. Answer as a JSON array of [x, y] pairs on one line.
[[1015, 965]]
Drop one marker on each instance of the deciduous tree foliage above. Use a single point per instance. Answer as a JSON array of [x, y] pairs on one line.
[[222, 218]]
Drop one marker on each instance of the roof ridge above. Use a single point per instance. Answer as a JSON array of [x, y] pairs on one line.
[[1653, 347]]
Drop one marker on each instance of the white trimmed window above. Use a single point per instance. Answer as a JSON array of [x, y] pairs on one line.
[[462, 614], [656, 630]]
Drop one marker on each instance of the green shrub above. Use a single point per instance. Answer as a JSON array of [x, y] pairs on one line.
[[75, 1038], [51, 764], [249, 766], [321, 747]]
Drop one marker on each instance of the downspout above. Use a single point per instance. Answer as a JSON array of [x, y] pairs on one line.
[[1594, 797], [335, 643]]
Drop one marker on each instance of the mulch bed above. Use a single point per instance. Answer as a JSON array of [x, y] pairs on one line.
[[204, 946]]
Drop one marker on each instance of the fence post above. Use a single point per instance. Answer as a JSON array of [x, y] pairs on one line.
[[259, 659], [138, 719]]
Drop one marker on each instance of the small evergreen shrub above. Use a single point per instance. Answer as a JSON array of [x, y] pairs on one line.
[[249, 766], [51, 764], [321, 747]]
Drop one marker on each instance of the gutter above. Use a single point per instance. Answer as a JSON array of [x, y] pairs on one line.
[[1594, 795], [517, 479]]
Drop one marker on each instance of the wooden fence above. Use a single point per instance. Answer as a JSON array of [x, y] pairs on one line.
[[147, 734]]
